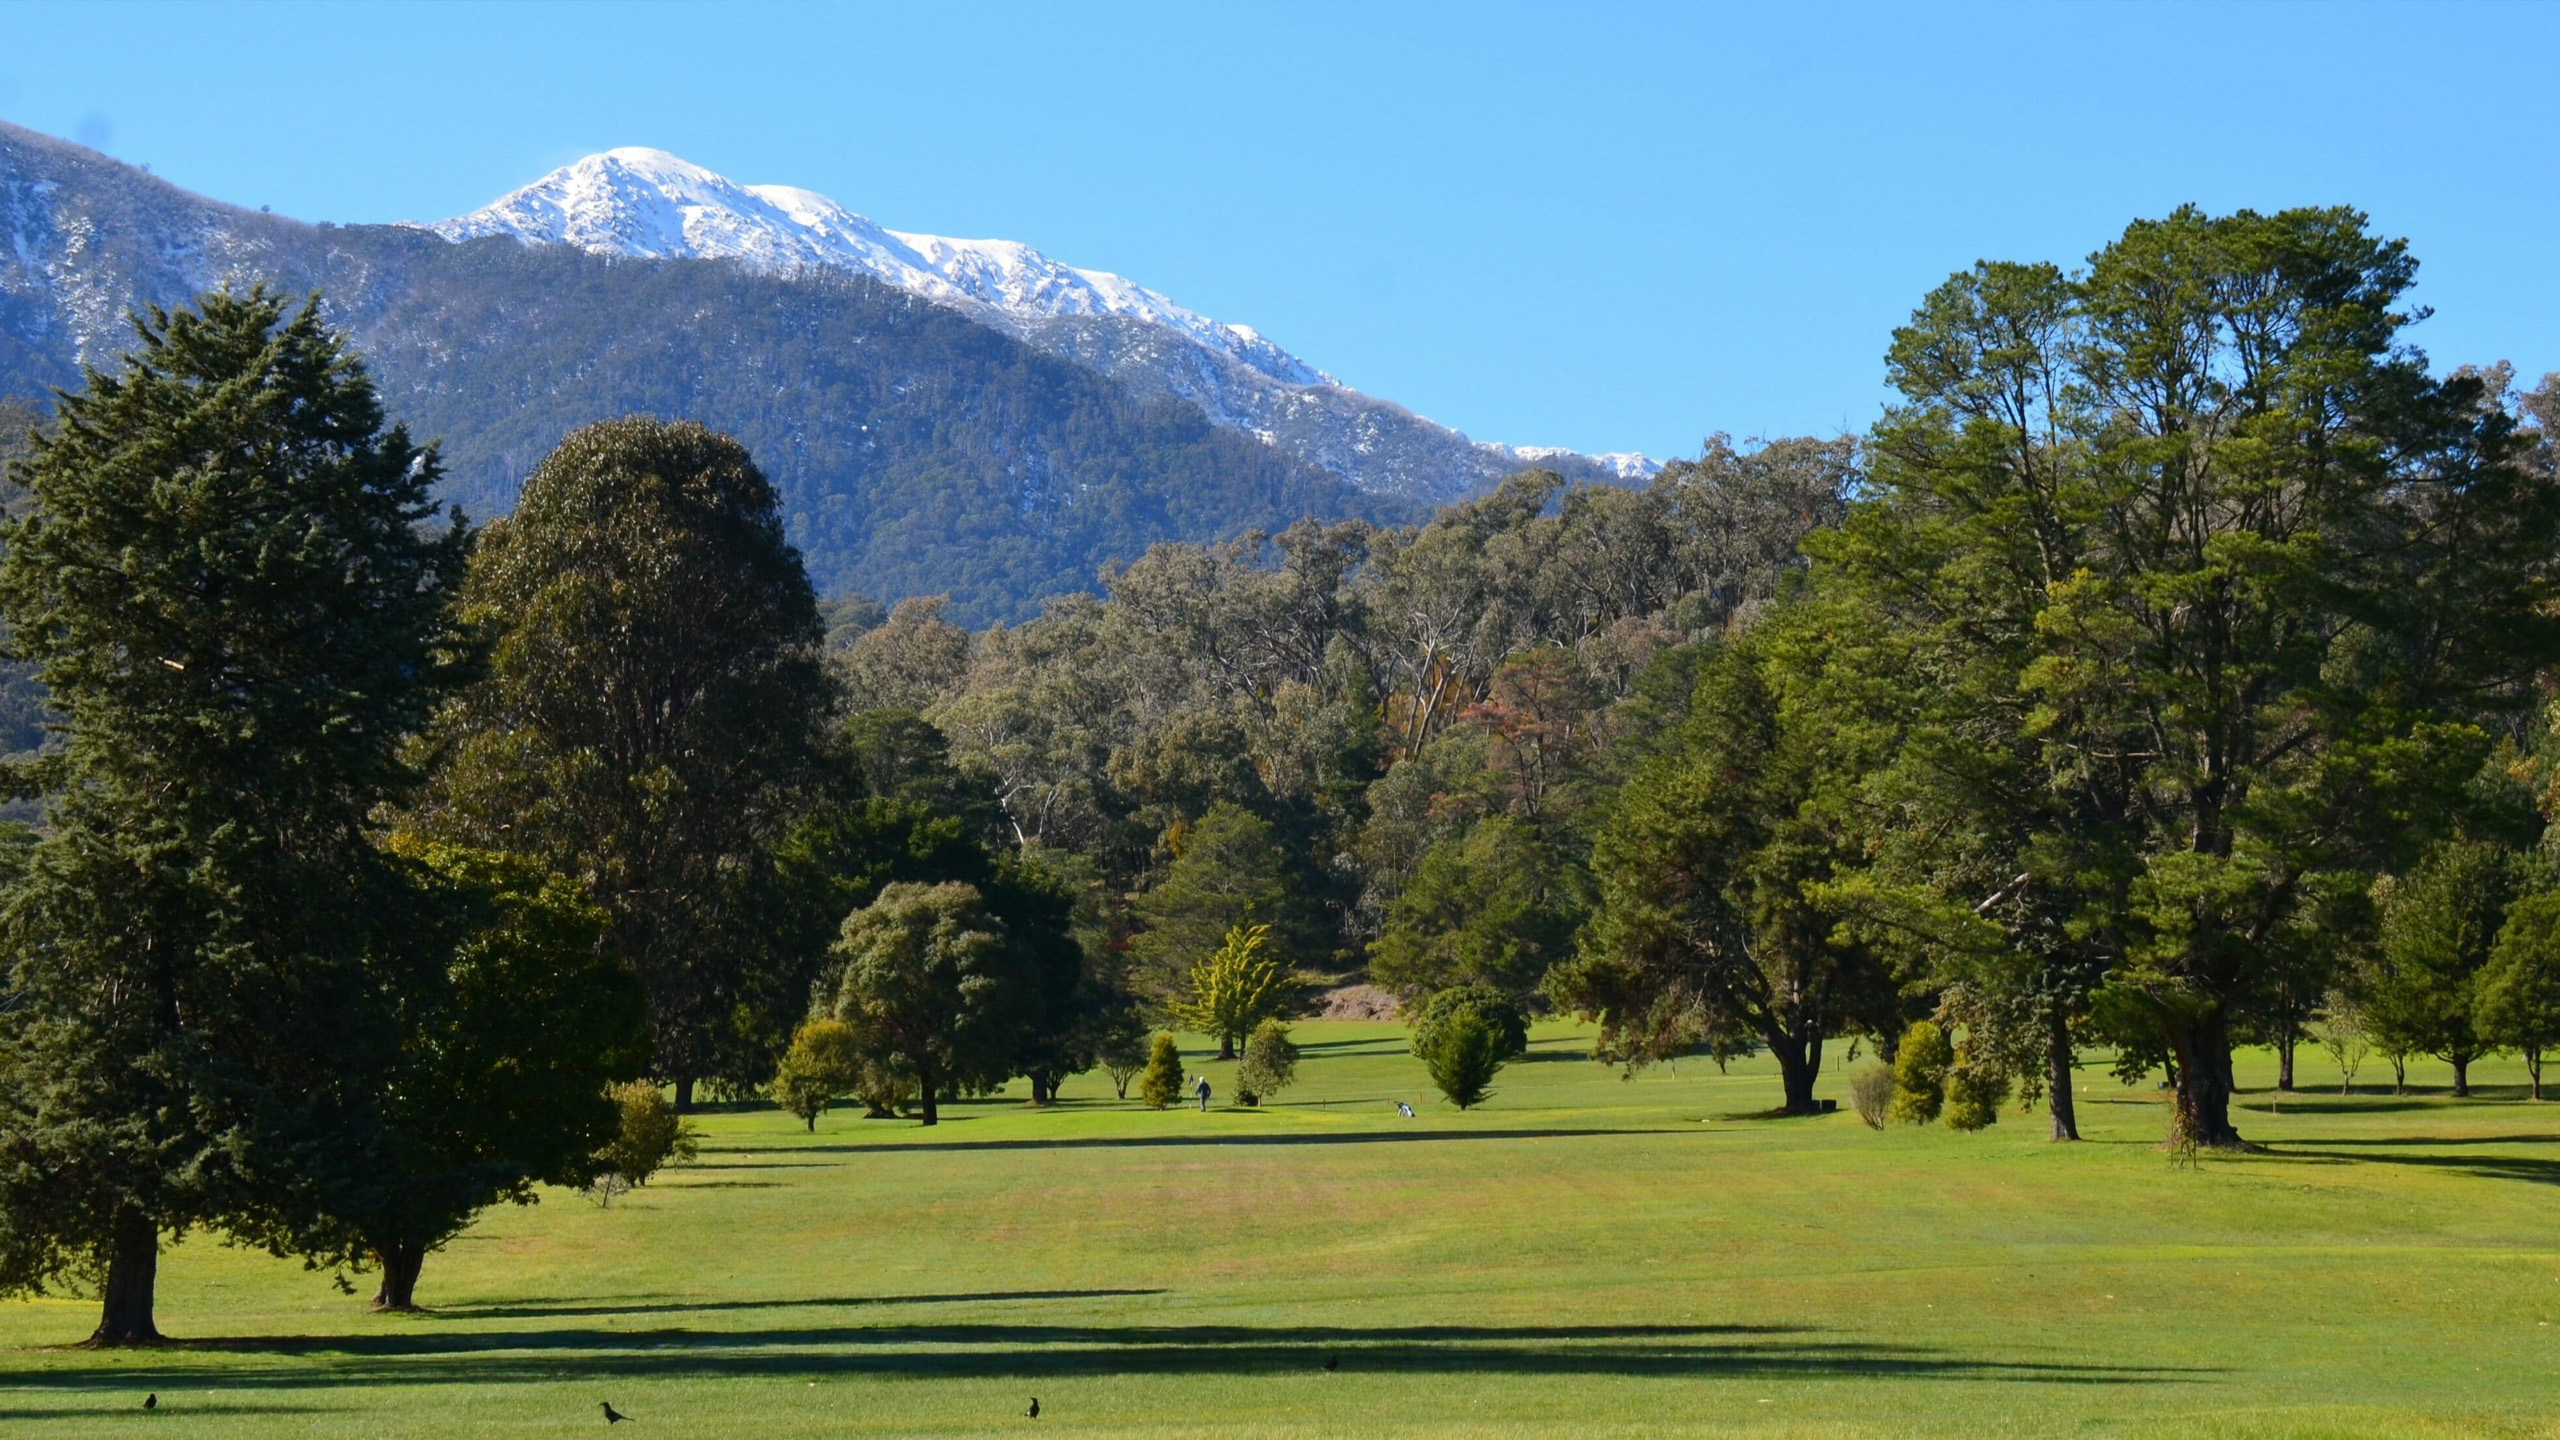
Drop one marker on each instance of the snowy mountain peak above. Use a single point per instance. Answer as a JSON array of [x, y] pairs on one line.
[[639, 202], [647, 203]]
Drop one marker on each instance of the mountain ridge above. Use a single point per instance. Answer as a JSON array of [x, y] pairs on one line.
[[647, 204], [918, 450]]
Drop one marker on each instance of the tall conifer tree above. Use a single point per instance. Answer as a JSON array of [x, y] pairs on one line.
[[232, 581]]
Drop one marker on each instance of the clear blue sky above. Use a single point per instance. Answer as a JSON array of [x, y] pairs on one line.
[[1599, 226]]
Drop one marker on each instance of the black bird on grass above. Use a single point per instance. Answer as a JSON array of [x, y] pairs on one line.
[[1034, 1411], [151, 1401], [1332, 1363], [611, 1415]]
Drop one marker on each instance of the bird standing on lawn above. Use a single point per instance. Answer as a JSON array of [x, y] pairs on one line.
[[151, 1401], [611, 1415], [1034, 1411], [1332, 1363]]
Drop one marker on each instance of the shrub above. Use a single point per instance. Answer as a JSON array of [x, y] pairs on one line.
[[1871, 1091], [1920, 1066], [1270, 1063], [1465, 1054], [1489, 1005], [1974, 1093], [652, 1136], [820, 1065], [1161, 1085]]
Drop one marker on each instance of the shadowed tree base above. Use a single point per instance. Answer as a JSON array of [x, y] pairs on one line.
[[133, 1271]]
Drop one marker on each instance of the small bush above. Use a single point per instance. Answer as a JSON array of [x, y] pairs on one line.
[[1270, 1063], [1161, 1084], [1871, 1091], [1465, 1055], [1974, 1095], [1920, 1066], [652, 1136], [820, 1065], [1487, 1004]]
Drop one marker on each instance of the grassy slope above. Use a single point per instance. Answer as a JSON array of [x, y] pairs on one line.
[[2387, 1271]]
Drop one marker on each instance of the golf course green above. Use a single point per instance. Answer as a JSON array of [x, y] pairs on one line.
[[1582, 1255]]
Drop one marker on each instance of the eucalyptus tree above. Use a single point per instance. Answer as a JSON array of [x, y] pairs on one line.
[[653, 711], [2239, 582]]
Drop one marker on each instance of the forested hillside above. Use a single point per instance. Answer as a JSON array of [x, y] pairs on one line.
[[917, 452]]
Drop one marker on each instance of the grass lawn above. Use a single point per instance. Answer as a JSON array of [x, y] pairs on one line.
[[1582, 1255]]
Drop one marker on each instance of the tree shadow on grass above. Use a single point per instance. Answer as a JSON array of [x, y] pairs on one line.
[[1149, 1142], [526, 1310], [2487, 1167], [2341, 1105], [1028, 1351], [2413, 1141], [171, 1406]]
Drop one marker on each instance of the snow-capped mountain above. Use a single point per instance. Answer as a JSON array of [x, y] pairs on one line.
[[648, 204], [642, 202]]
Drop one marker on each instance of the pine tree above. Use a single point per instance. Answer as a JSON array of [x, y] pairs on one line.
[[232, 582]]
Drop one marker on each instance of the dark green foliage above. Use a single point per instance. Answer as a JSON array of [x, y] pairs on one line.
[[1712, 867], [1270, 1063], [2439, 925], [895, 811], [511, 1034], [1465, 1055], [1974, 1093], [1488, 1004], [1228, 870], [932, 989], [232, 582], [652, 713], [22, 707], [2257, 576], [2516, 998], [1495, 906], [1161, 1084], [1121, 1047]]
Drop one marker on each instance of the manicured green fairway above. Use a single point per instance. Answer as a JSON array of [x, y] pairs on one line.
[[1582, 1256]]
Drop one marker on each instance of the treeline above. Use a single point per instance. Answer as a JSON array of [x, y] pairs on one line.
[[2165, 672]]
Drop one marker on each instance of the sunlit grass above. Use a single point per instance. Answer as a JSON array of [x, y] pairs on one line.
[[1583, 1255]]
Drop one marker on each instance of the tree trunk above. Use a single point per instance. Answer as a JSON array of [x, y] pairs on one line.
[[684, 1094], [2461, 1076], [924, 1089], [2284, 1062], [1226, 1047], [1799, 1063], [2058, 1065], [133, 1271], [400, 1262], [2533, 1068], [2399, 1074], [1042, 1089], [2201, 1105]]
